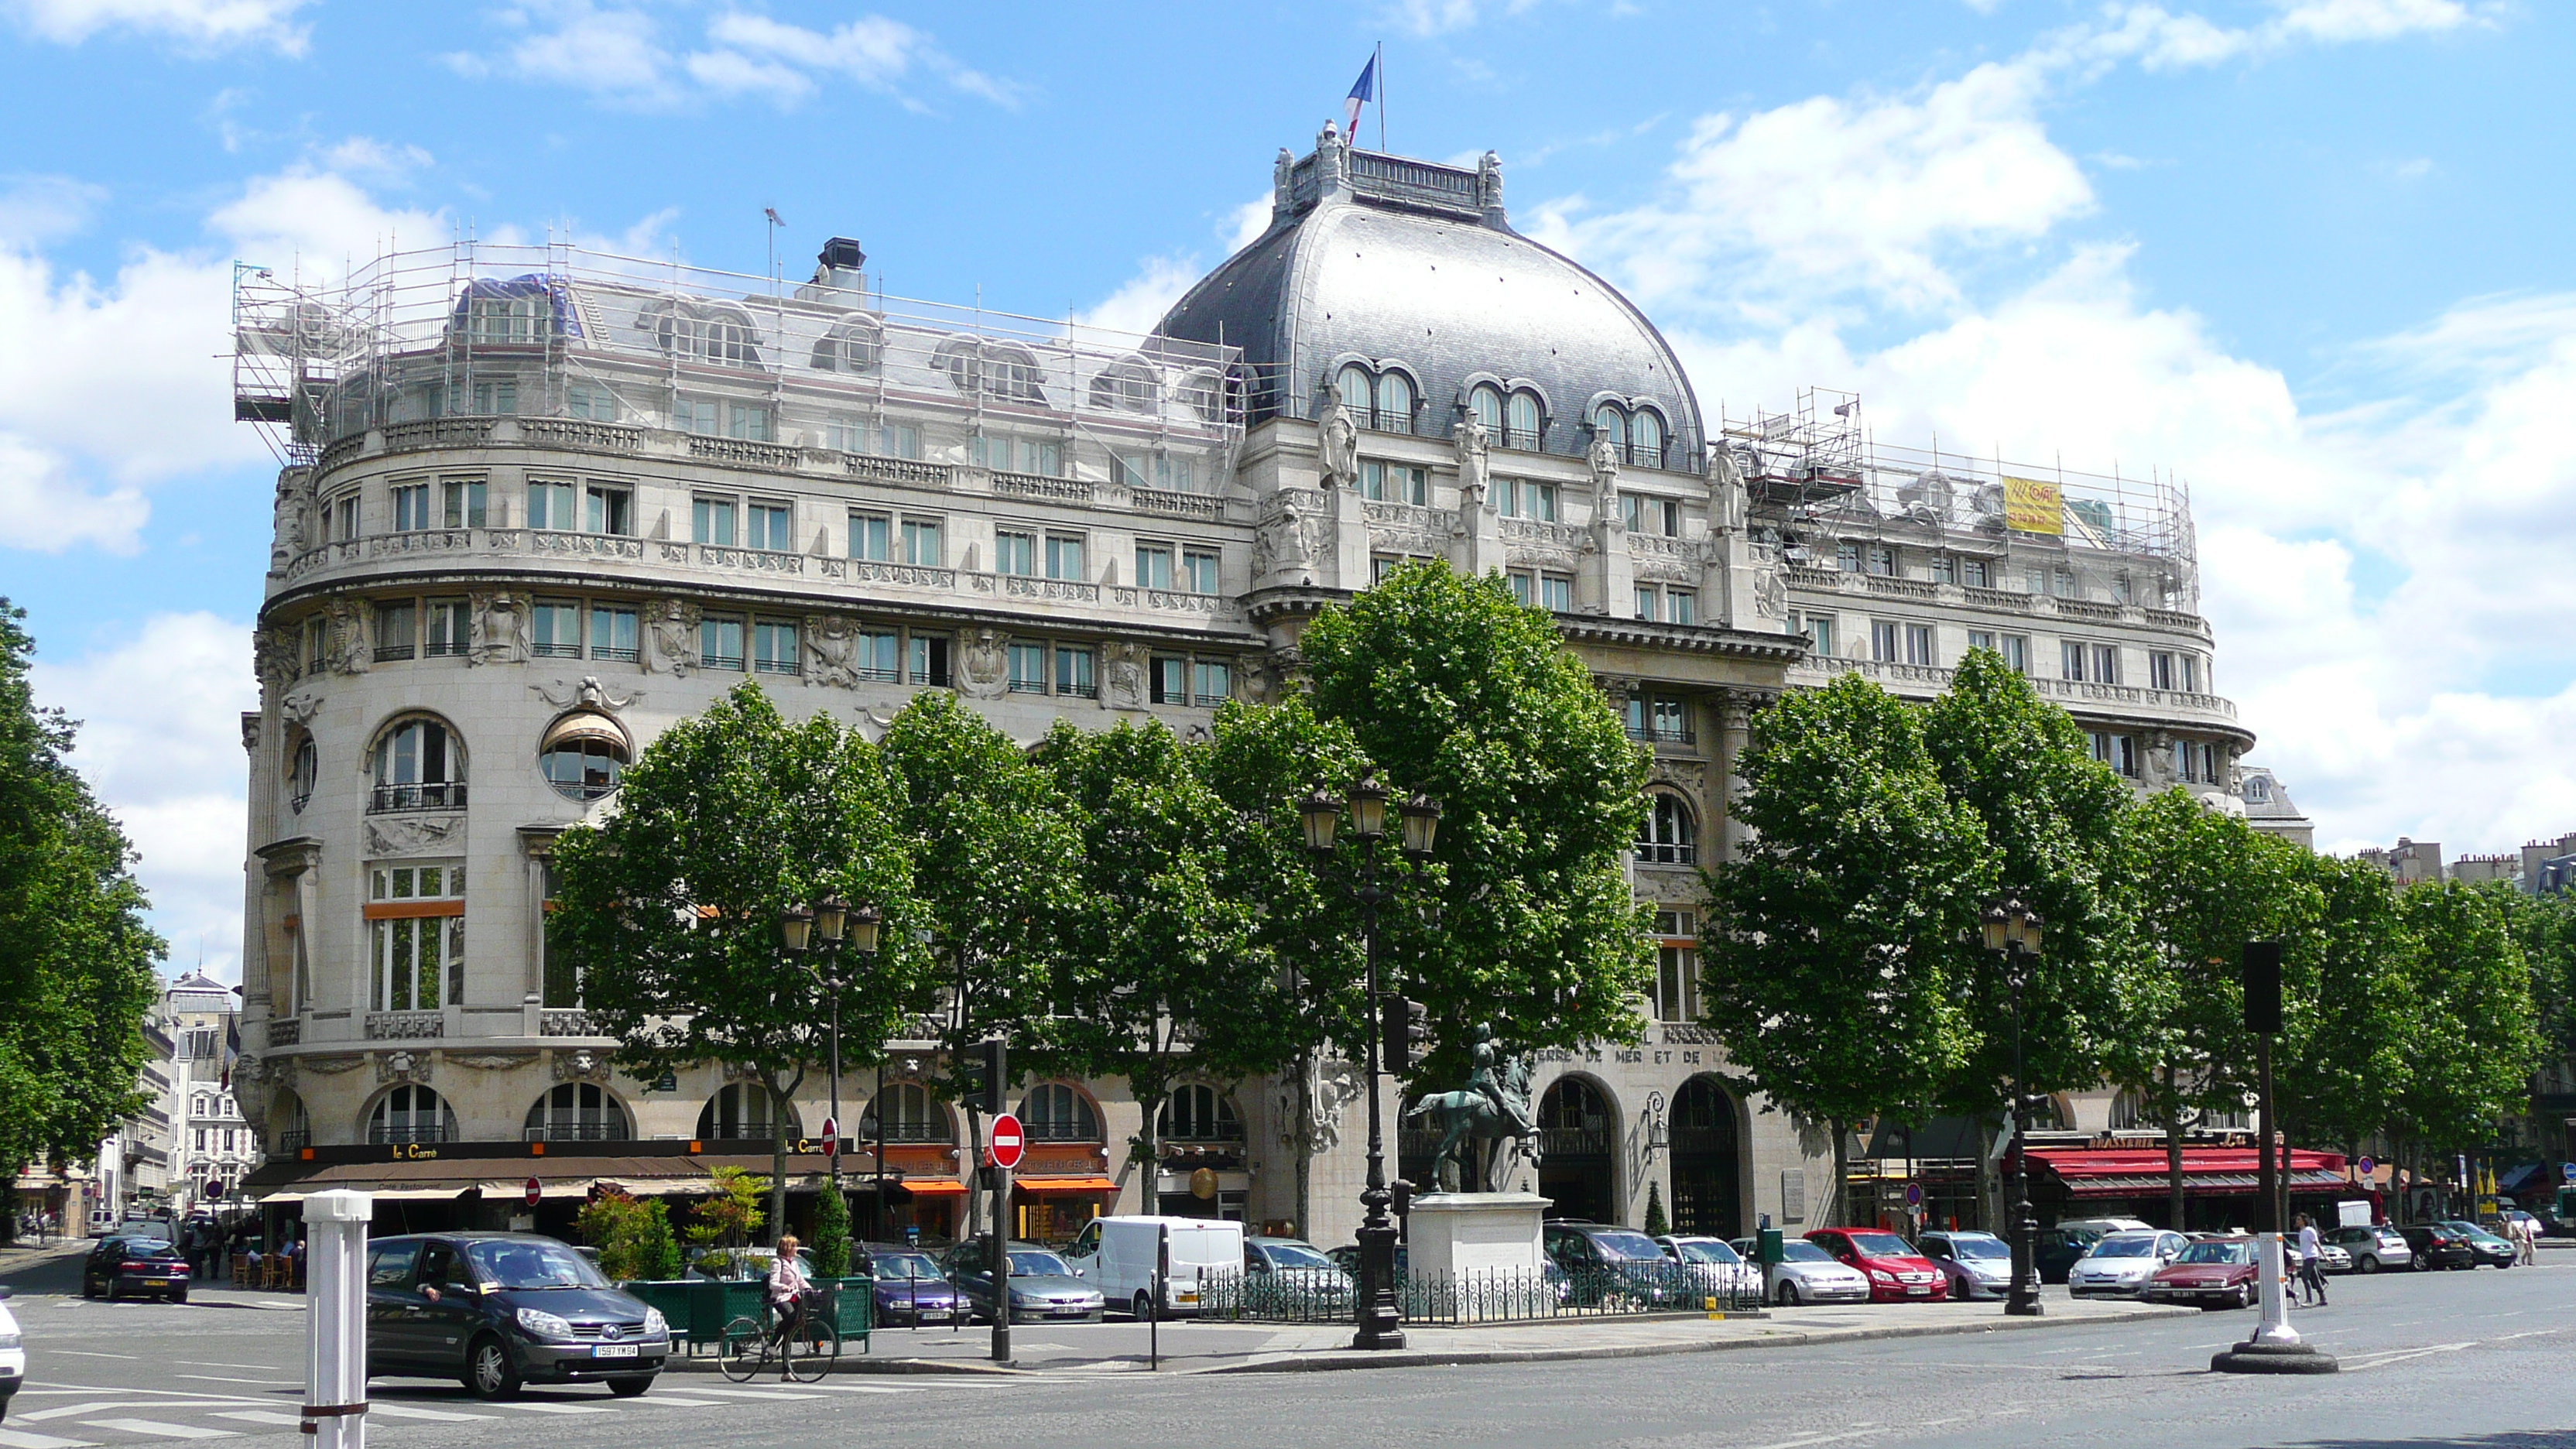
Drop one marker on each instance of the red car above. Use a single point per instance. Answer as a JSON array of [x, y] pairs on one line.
[[2214, 1273], [1896, 1273]]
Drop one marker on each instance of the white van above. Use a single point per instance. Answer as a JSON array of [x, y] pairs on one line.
[[1117, 1256]]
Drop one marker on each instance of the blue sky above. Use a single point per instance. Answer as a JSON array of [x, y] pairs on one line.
[[2309, 254]]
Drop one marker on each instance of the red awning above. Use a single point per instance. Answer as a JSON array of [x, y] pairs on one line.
[[2121, 1172]]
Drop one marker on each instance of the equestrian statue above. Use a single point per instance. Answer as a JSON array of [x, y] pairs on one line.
[[1474, 1122]]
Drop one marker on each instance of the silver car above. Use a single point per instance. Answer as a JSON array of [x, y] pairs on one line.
[[1807, 1274], [2120, 1264], [2371, 1248], [1978, 1265], [1714, 1268]]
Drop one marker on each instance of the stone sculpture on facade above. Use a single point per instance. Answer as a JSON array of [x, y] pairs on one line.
[[983, 665], [1603, 456], [671, 637], [831, 650], [498, 628], [350, 651], [1474, 459], [1124, 684], [1340, 456], [290, 515], [1727, 501]]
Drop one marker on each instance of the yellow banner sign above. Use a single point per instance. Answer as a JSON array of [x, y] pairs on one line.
[[2031, 506]]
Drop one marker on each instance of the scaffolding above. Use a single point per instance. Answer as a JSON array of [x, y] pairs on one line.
[[559, 331]]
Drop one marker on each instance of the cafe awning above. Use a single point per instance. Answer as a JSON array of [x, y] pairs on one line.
[[2092, 1172], [1064, 1184], [934, 1186]]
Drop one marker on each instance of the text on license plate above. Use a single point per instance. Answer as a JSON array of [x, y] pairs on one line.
[[156, 1282], [613, 1350], [1071, 1312], [1920, 1288]]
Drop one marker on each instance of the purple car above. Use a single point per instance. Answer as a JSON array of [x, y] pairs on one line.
[[910, 1287]]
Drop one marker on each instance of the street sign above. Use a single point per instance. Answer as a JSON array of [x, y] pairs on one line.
[[1914, 1194], [2570, 1170], [536, 1190], [2367, 1166], [831, 1137], [1008, 1141]]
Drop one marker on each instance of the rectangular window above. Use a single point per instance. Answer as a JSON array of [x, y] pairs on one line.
[[1682, 605], [1524, 586], [612, 634], [496, 397], [1981, 639], [550, 506], [1395, 483], [845, 434], [1199, 567], [1918, 645], [872, 537], [921, 542], [2160, 671], [1380, 565], [992, 453], [1556, 593], [1666, 720], [2127, 752], [1028, 669], [2016, 651], [1015, 553], [694, 415], [1523, 498], [1073, 672], [463, 500], [2071, 662], [1882, 560], [394, 628], [1064, 556], [1211, 683], [1129, 470], [2187, 756], [928, 661], [773, 647], [1820, 634], [1045, 459], [773, 527], [1168, 682], [720, 643], [2062, 583], [446, 635], [593, 402], [1973, 573], [711, 521], [1153, 565], [899, 440], [2035, 581], [554, 627], [1661, 516], [1943, 569], [2106, 664], [1883, 642], [411, 507], [2120, 587], [1847, 557], [1648, 602], [880, 656], [1676, 994], [1172, 475], [610, 510], [416, 919], [2191, 680]]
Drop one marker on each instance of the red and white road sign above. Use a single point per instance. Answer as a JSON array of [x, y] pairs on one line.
[[1008, 1141], [536, 1190], [831, 1137]]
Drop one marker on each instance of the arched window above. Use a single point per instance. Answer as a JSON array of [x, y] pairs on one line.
[[1646, 439], [853, 344], [1575, 1105], [1485, 404], [577, 1112], [197, 1106], [300, 775], [583, 755], [911, 1116], [1196, 1112], [1054, 1112], [2128, 1110], [1394, 403], [411, 1113], [419, 765], [997, 369], [2049, 1114], [1669, 835], [1357, 393], [1129, 385], [1204, 392], [294, 1129], [1521, 422], [695, 331], [741, 1111], [1609, 422]]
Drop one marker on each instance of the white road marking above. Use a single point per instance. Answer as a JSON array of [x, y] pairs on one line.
[[675, 1401], [198, 1363], [405, 1411], [750, 1393], [856, 1389], [2382, 1360], [155, 1426], [85, 1353], [264, 1416], [556, 1408], [13, 1439], [255, 1383]]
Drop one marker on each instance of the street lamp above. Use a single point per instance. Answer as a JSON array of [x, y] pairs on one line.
[[2012, 931], [822, 931], [1381, 1318]]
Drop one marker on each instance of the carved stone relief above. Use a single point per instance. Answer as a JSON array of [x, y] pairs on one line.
[[498, 629], [581, 1066], [351, 653], [831, 650], [329, 1066], [274, 656], [402, 1067], [490, 1061], [415, 835], [589, 694], [1339, 461], [1123, 684], [302, 705], [982, 665]]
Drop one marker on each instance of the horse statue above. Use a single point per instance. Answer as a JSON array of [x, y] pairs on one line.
[[1475, 1121]]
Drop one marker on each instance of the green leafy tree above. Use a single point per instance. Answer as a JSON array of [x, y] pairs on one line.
[[657, 1253], [1832, 957], [996, 857], [2345, 1059], [670, 908], [1656, 1226], [76, 963], [2475, 1041], [633, 1236], [728, 1219], [831, 1234], [1524, 917], [2201, 885]]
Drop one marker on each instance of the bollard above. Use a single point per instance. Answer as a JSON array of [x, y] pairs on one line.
[[335, 1318], [2275, 1347]]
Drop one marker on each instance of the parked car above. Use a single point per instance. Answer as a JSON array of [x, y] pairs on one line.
[[2060, 1247], [1717, 1270], [2105, 1227], [2214, 1273], [2437, 1246], [2488, 1248], [125, 1263], [1119, 1256], [1281, 1274], [1043, 1286], [13, 1355], [2121, 1263], [1897, 1273], [909, 1286], [1614, 1265], [102, 1222], [1347, 1258], [499, 1309], [1807, 1274], [2372, 1248], [1978, 1265]]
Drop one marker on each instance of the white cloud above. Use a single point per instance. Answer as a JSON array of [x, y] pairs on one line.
[[160, 744], [37, 210], [620, 53], [614, 52], [193, 24], [319, 222], [1245, 224], [1137, 306], [52, 511], [367, 156]]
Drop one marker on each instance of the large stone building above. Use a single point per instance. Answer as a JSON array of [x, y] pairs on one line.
[[538, 505]]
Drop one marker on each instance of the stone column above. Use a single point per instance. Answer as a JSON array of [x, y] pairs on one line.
[[537, 843], [1734, 735]]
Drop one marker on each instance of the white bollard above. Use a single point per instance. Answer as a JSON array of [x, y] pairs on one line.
[[2275, 1325], [335, 1317]]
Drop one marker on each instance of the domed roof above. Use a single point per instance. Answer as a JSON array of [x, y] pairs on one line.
[[1411, 265]]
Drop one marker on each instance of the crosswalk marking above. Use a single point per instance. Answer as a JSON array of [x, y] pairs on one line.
[[263, 1416], [557, 1408], [749, 1393], [858, 1389], [155, 1426], [405, 1411], [15, 1439], [676, 1402]]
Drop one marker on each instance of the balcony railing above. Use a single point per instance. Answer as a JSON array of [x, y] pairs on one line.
[[1657, 736], [566, 1021], [578, 1131], [290, 1143], [907, 1133], [434, 795], [407, 1136], [405, 1025], [1062, 1131]]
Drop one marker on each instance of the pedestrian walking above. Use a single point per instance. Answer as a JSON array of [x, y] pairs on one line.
[[2312, 1268], [2526, 1240]]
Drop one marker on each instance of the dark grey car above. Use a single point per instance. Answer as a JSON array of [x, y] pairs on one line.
[[496, 1310], [1043, 1287]]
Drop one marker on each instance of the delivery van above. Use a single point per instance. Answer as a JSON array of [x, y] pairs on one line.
[[1118, 1256]]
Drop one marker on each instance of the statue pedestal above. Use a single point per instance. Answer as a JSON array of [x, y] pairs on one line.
[[1466, 1235]]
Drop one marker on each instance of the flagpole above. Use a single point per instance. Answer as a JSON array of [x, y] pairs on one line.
[[1380, 63]]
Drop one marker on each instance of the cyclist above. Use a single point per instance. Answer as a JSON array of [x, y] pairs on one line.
[[787, 1288]]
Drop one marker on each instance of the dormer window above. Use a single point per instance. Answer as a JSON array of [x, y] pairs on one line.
[[1638, 433], [1129, 385], [853, 345], [997, 369], [1380, 400], [710, 332]]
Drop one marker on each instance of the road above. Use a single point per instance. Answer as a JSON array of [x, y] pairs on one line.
[[2451, 1359]]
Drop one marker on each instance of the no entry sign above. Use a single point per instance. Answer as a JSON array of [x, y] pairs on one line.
[[1008, 1141], [831, 1137], [536, 1190]]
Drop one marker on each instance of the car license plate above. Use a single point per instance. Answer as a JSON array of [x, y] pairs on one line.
[[156, 1282], [1071, 1312], [613, 1350], [1919, 1288], [1186, 1297]]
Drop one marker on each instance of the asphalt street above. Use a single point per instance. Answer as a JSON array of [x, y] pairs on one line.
[[2450, 1359]]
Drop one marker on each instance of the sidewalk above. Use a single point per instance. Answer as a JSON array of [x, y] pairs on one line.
[[1260, 1348]]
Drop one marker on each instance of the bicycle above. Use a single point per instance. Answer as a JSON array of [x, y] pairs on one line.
[[804, 1347]]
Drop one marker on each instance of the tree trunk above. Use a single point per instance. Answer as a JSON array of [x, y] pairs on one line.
[[777, 1161], [1149, 1173], [1842, 1175], [1305, 1145], [2173, 1152]]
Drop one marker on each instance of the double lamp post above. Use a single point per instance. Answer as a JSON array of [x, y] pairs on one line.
[[2012, 931], [819, 935]]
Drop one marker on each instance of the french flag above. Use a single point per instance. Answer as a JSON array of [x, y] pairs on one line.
[[1363, 91]]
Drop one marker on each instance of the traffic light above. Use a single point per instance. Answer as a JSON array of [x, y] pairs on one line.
[[2263, 988], [1404, 1032], [991, 1078]]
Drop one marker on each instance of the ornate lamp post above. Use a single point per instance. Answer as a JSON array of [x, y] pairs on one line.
[[818, 934], [1381, 1318], [2012, 931]]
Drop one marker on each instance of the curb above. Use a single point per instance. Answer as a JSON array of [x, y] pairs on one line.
[[1431, 1358], [866, 1364]]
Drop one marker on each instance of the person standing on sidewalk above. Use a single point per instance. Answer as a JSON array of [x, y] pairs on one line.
[[2312, 1268]]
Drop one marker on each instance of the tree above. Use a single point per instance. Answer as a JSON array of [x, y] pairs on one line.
[[831, 1234], [1158, 959], [1832, 956], [2344, 1060], [1524, 917], [670, 908], [728, 1219], [76, 963], [1656, 1226], [2475, 1043], [2201, 885], [996, 859], [633, 1236]]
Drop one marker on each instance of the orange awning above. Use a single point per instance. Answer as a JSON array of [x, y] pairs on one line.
[[934, 1186], [1063, 1184]]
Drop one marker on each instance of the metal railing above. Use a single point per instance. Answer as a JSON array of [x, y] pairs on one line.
[[437, 795], [1622, 1290]]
